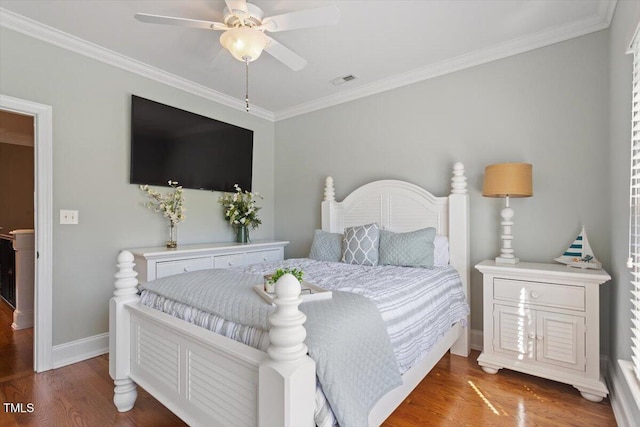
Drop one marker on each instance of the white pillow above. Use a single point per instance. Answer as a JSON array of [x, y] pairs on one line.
[[441, 250]]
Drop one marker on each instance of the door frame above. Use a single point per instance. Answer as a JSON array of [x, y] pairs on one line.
[[43, 197]]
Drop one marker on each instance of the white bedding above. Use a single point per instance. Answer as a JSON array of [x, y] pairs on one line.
[[417, 305]]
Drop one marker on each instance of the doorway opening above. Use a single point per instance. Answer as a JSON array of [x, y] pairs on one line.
[[41, 117], [17, 244]]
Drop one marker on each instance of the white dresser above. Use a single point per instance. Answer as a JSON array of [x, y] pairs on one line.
[[544, 320], [154, 263]]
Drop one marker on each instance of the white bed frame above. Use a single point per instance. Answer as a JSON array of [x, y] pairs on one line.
[[210, 380]]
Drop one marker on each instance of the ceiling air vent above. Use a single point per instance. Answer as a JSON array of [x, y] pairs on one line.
[[339, 80]]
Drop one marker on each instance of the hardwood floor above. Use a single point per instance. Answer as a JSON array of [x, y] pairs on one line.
[[455, 393], [75, 395], [458, 393]]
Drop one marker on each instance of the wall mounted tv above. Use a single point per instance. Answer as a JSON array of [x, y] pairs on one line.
[[197, 151]]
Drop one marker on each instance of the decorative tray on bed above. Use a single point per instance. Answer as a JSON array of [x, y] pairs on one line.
[[309, 292]]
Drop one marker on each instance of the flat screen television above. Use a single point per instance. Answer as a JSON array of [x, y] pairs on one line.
[[168, 143]]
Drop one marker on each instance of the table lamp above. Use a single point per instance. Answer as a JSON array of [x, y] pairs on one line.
[[507, 180]]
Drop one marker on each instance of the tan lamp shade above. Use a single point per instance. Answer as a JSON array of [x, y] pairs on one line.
[[508, 179]]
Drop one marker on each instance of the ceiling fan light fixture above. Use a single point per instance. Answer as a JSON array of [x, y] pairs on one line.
[[244, 43]]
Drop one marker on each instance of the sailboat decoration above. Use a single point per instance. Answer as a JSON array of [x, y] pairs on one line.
[[579, 253]]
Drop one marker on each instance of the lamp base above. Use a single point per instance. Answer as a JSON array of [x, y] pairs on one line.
[[502, 260]]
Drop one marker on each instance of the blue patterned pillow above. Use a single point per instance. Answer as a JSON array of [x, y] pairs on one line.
[[413, 249], [360, 245], [326, 246]]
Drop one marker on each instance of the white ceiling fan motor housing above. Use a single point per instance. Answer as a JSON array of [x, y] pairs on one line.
[[240, 17]]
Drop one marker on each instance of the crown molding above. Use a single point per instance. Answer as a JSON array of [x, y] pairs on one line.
[[523, 44], [37, 30]]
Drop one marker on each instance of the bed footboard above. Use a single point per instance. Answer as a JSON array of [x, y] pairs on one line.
[[205, 378]]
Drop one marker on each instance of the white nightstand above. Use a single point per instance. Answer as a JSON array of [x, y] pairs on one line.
[[544, 320]]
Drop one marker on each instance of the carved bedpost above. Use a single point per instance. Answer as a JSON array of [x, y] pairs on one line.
[[288, 375], [329, 192], [124, 394], [329, 198], [459, 243], [459, 181]]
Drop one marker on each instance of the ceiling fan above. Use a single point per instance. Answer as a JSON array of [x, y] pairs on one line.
[[245, 25]]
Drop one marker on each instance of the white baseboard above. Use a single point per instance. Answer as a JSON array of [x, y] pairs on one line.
[[22, 319], [476, 340], [79, 350], [622, 402]]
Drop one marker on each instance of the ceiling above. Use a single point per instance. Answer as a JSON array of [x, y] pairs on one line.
[[386, 44]]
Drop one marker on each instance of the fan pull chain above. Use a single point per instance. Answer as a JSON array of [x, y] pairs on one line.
[[246, 98]]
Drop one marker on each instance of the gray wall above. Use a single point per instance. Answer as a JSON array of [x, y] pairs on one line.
[[627, 16], [91, 107], [548, 107]]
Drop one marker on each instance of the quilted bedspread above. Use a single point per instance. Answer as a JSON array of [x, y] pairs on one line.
[[418, 305], [346, 335]]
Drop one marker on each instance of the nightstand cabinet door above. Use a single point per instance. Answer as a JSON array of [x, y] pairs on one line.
[[552, 338], [515, 331], [560, 340]]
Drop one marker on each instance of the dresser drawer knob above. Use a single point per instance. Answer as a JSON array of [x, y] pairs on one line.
[[534, 295], [187, 269], [230, 263], [532, 335]]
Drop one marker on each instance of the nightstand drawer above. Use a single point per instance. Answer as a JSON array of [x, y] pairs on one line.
[[264, 256], [226, 261], [519, 291], [169, 268]]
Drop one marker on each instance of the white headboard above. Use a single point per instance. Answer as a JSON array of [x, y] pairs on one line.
[[400, 206], [395, 205]]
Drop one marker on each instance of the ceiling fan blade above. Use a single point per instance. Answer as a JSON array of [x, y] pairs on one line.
[[180, 22], [237, 7], [329, 15], [285, 55]]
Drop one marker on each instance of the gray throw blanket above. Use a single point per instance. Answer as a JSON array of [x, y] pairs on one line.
[[355, 364], [346, 335]]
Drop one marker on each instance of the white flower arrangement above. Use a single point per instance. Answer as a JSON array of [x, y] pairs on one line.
[[170, 205], [240, 208]]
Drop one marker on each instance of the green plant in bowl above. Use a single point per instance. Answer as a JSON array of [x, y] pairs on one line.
[[271, 279]]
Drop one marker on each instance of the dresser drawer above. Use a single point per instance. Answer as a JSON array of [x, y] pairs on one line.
[[519, 291], [226, 261], [169, 268], [264, 256]]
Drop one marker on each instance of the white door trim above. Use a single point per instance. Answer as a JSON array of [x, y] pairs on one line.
[[43, 292]]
